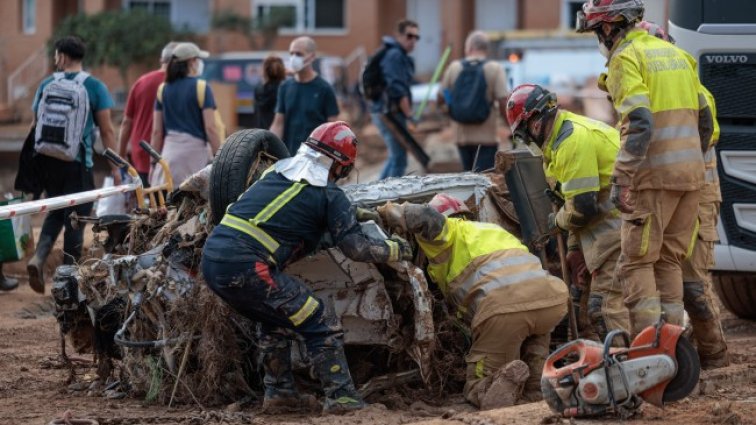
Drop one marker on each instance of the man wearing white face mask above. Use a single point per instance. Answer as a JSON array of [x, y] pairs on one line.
[[183, 127], [304, 102]]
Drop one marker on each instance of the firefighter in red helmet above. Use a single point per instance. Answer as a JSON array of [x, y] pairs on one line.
[[665, 128], [496, 287], [278, 220]]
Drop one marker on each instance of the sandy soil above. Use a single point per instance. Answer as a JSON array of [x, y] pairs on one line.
[[33, 387]]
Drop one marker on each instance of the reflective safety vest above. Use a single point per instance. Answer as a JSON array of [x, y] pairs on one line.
[[484, 270], [646, 72], [580, 154]]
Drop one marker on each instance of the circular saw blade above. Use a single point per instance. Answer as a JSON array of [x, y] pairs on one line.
[[688, 371]]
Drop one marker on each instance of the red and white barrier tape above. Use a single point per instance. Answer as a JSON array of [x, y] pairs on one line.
[[65, 201]]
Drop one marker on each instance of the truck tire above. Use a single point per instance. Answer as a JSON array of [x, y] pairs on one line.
[[237, 166], [737, 292]]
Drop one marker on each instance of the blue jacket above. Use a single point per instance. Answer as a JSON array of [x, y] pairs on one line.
[[296, 221], [398, 71]]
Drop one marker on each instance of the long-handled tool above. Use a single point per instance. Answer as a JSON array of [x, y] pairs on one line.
[[167, 186], [566, 279]]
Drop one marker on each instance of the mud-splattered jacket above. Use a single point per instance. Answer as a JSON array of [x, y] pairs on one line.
[[666, 122], [281, 220], [580, 154], [481, 268]]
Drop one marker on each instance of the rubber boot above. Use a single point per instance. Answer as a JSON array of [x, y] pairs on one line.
[[596, 315], [333, 372], [506, 386], [281, 395], [7, 283], [35, 267], [707, 327]]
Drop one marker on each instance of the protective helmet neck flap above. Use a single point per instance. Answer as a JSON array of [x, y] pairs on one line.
[[308, 164]]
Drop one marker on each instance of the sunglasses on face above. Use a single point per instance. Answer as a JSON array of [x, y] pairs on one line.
[[412, 36]]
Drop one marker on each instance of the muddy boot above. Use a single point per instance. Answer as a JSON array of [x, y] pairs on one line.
[[7, 283], [281, 401], [281, 396], [506, 386], [706, 324], [35, 267], [333, 371]]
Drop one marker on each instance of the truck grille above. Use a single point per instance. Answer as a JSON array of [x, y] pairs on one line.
[[731, 78], [734, 190]]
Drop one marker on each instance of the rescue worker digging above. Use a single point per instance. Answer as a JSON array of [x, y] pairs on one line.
[[278, 220], [496, 287], [666, 124], [579, 153]]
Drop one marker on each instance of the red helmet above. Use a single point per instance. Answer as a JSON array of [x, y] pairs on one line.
[[335, 140], [596, 12], [655, 30], [448, 205], [526, 101]]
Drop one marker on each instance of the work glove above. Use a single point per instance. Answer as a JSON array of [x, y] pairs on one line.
[[553, 227], [366, 214], [399, 249], [555, 197], [620, 196], [577, 268], [393, 216]]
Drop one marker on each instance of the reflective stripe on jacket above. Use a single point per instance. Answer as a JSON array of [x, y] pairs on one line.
[[651, 75], [483, 270], [580, 154]]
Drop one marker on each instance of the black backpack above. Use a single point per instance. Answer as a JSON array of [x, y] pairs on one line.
[[468, 103], [372, 82]]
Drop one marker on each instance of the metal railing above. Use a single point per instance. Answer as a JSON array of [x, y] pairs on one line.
[[23, 80]]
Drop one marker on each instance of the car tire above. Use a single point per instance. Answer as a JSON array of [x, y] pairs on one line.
[[238, 165], [737, 292]]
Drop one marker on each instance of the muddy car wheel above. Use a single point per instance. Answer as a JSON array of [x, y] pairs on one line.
[[241, 160], [737, 292]]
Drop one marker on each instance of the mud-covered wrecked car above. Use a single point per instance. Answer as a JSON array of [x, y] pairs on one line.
[[159, 333]]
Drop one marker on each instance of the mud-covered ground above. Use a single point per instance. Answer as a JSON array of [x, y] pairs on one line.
[[33, 387]]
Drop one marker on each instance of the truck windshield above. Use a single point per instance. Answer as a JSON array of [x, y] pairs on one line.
[[691, 14]]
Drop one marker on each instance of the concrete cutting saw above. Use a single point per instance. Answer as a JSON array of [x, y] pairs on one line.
[[585, 378]]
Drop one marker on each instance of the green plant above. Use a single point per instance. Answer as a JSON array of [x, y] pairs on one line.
[[261, 31], [118, 38]]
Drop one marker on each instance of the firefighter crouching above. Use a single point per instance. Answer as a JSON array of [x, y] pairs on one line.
[[497, 287], [278, 220], [665, 126], [579, 153]]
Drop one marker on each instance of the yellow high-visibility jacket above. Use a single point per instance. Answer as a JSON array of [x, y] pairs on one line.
[[483, 270], [580, 154], [664, 116]]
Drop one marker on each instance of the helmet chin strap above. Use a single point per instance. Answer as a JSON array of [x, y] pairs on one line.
[[540, 138]]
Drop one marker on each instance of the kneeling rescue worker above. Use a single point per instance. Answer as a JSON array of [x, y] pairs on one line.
[[497, 287], [278, 220], [579, 153]]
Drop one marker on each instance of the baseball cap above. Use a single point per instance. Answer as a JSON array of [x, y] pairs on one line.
[[185, 51]]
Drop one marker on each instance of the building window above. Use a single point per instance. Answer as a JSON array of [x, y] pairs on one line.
[[570, 9], [29, 16], [160, 8], [301, 15]]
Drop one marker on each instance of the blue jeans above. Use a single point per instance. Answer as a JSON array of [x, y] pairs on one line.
[[396, 163]]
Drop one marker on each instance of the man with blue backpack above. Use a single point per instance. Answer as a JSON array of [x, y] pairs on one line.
[[472, 89], [67, 106]]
